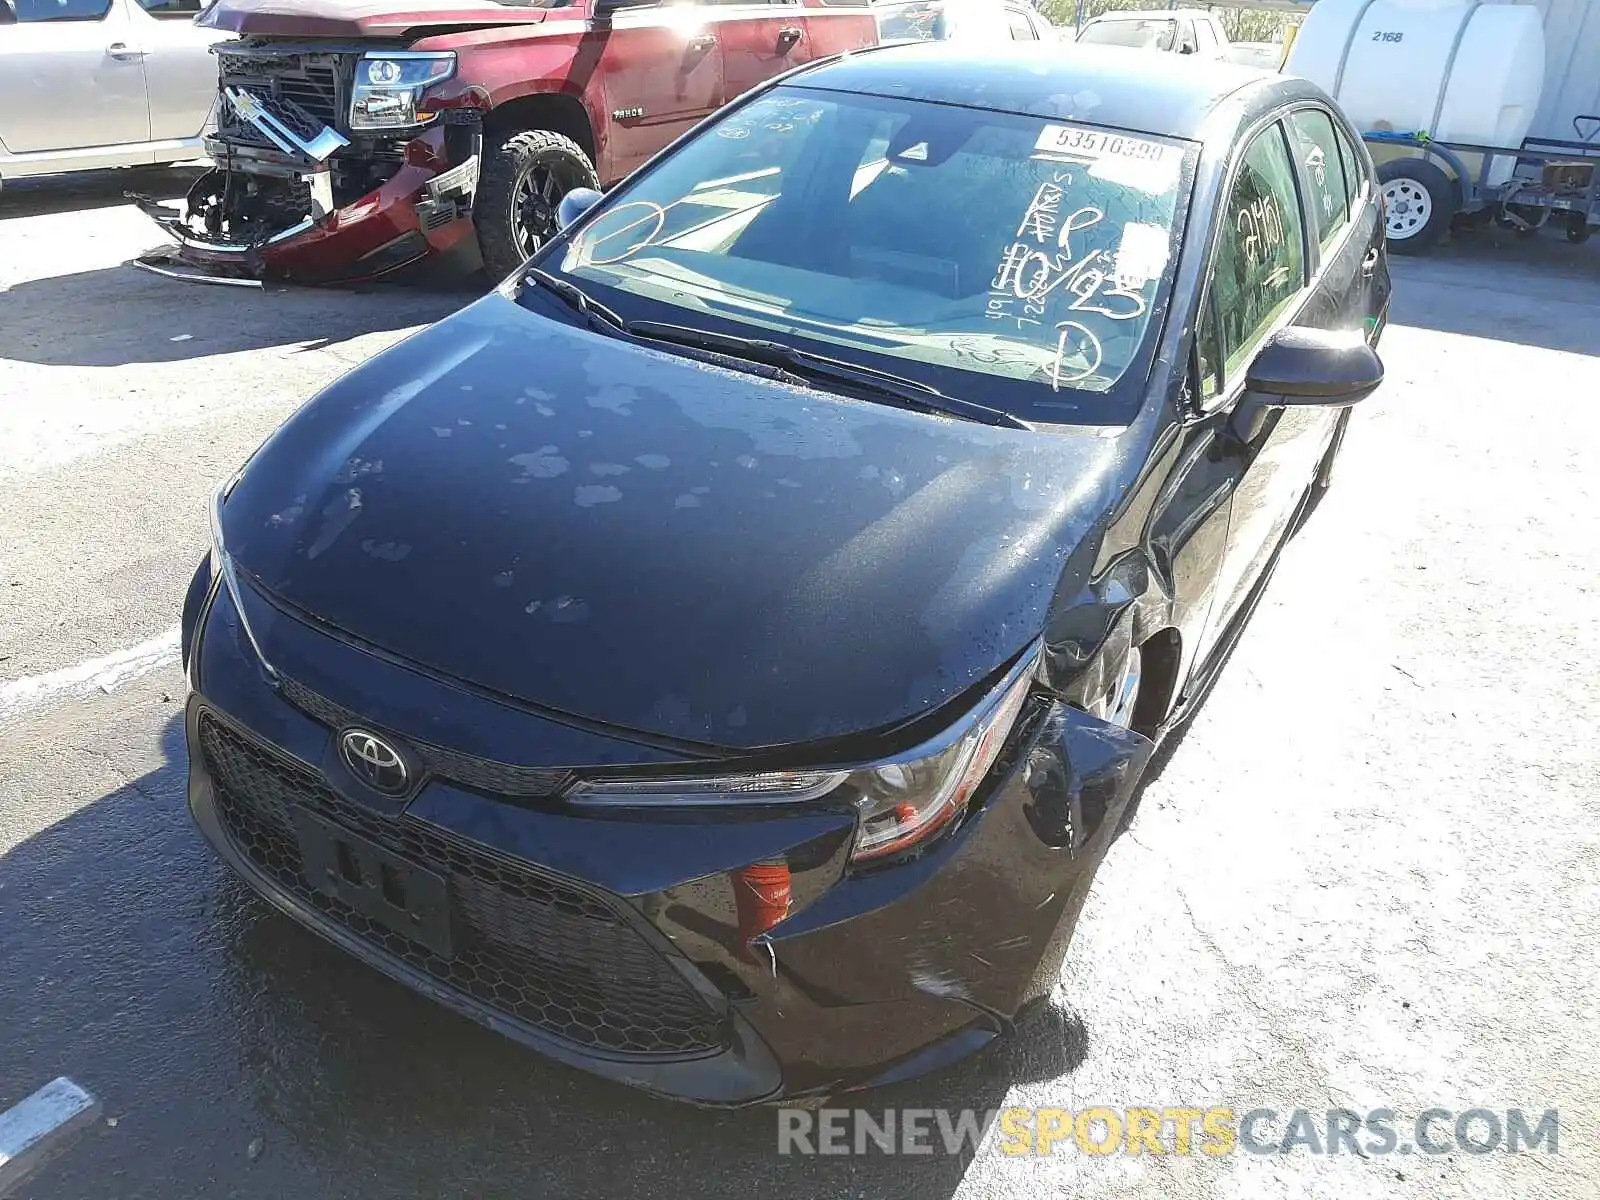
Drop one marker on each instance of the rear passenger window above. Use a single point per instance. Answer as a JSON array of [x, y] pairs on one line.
[[1259, 267], [1317, 148], [1021, 27]]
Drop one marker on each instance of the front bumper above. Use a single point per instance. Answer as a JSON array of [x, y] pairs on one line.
[[423, 209], [641, 957]]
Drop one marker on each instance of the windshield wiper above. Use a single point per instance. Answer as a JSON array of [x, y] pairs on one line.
[[909, 392], [596, 315]]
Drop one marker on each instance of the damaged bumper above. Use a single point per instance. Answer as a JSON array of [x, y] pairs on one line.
[[316, 208], [722, 958]]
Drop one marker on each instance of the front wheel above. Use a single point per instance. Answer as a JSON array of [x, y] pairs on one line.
[[1418, 202], [520, 188]]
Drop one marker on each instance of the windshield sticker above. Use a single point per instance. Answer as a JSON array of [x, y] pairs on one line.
[[1142, 253], [1092, 145], [1134, 162]]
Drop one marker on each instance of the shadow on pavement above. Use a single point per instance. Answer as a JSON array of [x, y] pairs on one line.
[[210, 1025], [1538, 291], [91, 189], [119, 315]]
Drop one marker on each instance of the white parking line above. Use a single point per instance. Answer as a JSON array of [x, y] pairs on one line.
[[105, 673], [35, 1128]]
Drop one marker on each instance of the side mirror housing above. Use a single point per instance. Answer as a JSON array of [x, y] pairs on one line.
[[1315, 366], [574, 204]]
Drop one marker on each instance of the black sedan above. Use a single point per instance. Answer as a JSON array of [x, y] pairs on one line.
[[721, 657]]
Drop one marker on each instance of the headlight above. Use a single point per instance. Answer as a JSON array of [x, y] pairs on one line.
[[222, 564], [388, 87], [901, 802]]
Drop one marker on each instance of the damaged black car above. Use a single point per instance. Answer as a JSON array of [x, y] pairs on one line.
[[721, 657]]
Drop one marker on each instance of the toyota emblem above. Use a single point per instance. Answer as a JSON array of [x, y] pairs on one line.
[[375, 762]]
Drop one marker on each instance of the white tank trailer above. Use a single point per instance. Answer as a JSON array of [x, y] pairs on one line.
[[1446, 93]]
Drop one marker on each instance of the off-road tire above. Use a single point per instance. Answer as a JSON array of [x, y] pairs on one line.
[[507, 166]]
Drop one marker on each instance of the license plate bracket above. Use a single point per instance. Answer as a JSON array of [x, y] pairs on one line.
[[380, 885]]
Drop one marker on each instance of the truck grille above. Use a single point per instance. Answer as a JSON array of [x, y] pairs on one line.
[[312, 86], [527, 944]]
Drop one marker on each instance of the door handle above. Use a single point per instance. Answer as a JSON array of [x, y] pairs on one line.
[[705, 41], [123, 52], [1369, 264], [788, 36]]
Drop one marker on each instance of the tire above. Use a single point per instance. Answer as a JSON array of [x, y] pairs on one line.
[[520, 187], [1121, 703], [1418, 202]]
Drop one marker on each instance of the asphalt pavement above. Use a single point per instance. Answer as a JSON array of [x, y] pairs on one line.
[[1366, 877]]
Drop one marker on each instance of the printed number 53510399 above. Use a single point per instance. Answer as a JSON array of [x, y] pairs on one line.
[[1078, 142]]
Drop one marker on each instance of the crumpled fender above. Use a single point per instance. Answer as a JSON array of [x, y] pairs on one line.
[[986, 913]]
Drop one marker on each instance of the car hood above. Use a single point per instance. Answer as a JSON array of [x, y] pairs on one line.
[[358, 18], [636, 538]]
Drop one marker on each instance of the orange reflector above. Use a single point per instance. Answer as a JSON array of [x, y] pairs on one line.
[[761, 898]]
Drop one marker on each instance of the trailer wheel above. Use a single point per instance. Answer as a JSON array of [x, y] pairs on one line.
[[1418, 201], [1578, 230], [520, 187]]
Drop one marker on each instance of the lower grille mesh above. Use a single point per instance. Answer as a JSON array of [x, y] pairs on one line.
[[526, 944]]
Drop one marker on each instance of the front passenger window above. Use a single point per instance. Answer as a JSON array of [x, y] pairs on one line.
[[1021, 27], [1259, 266]]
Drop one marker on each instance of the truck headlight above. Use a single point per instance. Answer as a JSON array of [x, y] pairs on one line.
[[389, 86], [901, 803]]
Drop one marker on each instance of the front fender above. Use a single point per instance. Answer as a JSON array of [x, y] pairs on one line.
[[982, 920]]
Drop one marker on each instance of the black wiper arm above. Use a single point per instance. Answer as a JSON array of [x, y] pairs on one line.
[[816, 366], [597, 315]]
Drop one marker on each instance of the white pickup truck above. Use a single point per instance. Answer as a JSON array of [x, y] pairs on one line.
[[1178, 31]]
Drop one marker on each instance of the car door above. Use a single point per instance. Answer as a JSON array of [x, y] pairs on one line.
[[180, 72], [661, 71], [70, 77], [1366, 212], [759, 40], [834, 26], [1262, 278]]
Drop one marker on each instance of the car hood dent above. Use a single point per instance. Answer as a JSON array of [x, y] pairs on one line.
[[358, 18], [659, 544]]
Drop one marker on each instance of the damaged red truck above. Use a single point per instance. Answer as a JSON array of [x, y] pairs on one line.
[[355, 138]]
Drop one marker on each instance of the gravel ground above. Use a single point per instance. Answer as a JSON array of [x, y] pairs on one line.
[[1364, 878]]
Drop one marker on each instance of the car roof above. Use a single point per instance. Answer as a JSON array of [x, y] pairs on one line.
[[1167, 94]]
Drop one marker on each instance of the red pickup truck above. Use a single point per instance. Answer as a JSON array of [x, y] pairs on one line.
[[356, 137]]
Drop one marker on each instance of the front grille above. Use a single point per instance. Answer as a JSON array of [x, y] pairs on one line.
[[527, 944], [315, 90], [307, 91]]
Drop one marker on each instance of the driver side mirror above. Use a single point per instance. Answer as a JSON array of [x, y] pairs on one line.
[[574, 204], [1315, 366], [1302, 366]]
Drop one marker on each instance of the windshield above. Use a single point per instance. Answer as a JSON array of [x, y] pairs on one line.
[[1013, 261], [1139, 34]]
